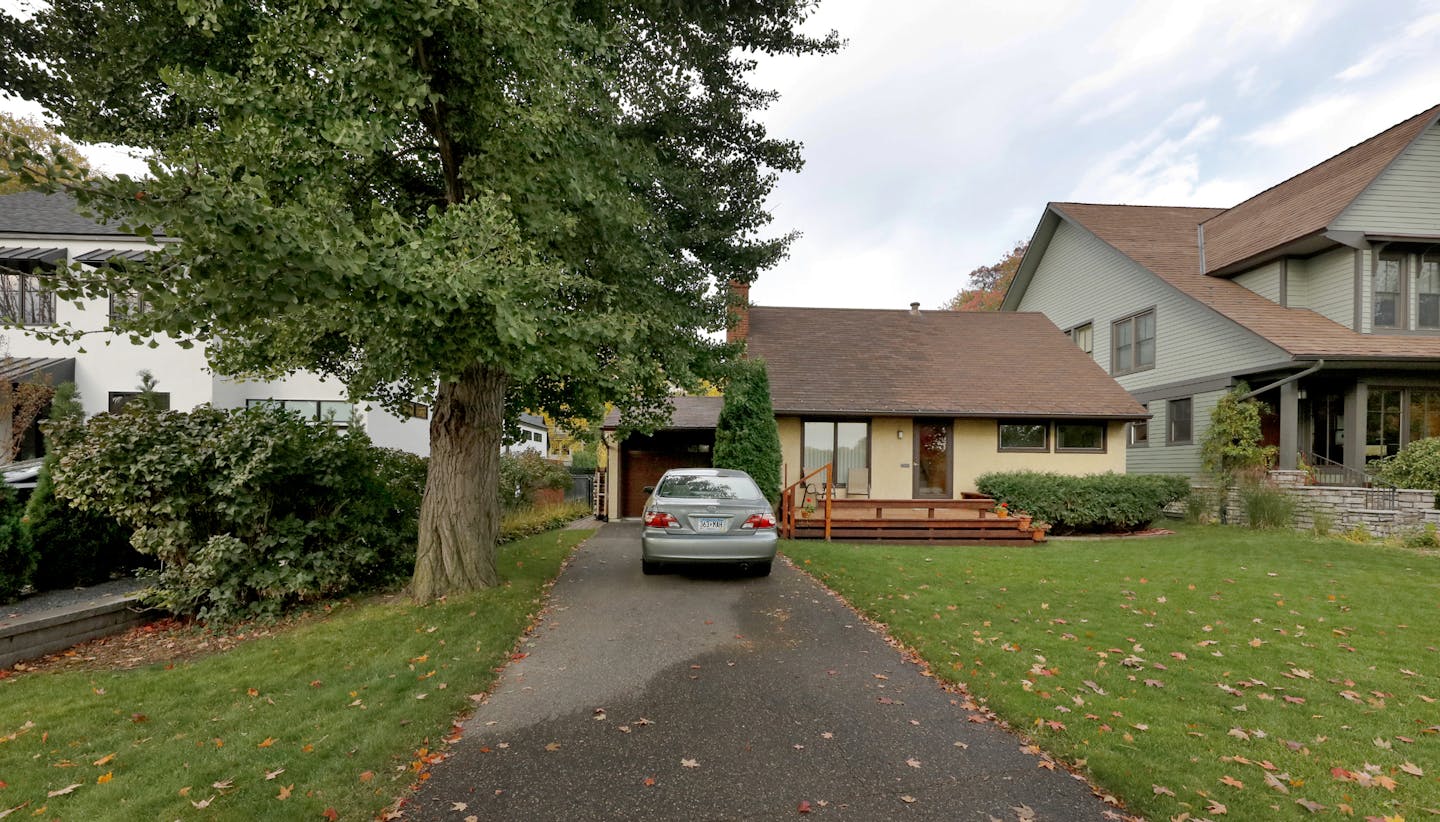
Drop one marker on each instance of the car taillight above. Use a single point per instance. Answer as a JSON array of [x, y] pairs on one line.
[[759, 521], [659, 519]]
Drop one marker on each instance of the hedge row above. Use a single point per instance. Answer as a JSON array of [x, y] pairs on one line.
[[1086, 504]]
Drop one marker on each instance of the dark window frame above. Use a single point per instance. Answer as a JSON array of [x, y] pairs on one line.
[[1402, 306], [1419, 273], [1103, 425], [1138, 425], [834, 422], [123, 398], [1132, 321], [1170, 417], [319, 416], [28, 285], [1072, 330], [1001, 447], [127, 305]]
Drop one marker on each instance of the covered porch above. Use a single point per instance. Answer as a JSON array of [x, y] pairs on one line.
[[1332, 420]]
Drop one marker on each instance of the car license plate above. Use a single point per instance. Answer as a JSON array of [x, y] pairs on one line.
[[710, 524]]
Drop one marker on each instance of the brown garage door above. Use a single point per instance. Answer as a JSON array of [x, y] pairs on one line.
[[646, 460]]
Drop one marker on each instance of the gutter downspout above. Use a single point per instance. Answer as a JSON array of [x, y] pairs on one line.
[[1289, 445], [1319, 364]]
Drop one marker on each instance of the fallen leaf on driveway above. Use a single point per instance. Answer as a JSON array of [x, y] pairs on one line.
[[907, 799], [689, 763], [913, 762], [553, 747], [804, 806]]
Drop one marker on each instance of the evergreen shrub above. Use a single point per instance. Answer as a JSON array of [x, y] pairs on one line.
[[746, 436]]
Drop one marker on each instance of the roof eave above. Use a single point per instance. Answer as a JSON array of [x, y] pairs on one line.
[[1034, 251]]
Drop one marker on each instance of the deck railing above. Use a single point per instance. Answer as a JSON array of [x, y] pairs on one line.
[[807, 492]]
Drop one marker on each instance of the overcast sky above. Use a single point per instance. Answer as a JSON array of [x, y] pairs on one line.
[[935, 138]]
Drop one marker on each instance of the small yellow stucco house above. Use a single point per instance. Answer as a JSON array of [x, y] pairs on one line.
[[906, 404]]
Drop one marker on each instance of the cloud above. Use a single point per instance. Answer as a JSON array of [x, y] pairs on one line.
[[1417, 40], [1162, 167]]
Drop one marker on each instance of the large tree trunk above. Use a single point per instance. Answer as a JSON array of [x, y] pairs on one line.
[[460, 515]]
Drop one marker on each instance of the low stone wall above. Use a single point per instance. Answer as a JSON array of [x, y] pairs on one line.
[[1344, 507]]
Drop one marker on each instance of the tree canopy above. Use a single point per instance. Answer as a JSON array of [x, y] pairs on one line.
[[529, 204], [988, 283]]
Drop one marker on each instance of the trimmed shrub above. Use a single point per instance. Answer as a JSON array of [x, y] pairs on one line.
[[17, 560], [249, 511], [522, 475], [1092, 503], [746, 436]]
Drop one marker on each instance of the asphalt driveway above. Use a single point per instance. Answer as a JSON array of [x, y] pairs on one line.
[[701, 695]]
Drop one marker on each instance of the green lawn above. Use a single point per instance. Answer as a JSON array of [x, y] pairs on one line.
[[1218, 667], [334, 713]]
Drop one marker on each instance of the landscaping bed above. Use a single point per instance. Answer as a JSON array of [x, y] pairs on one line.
[[338, 710], [1219, 672]]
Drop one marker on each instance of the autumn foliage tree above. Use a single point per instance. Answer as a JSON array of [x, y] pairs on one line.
[[988, 283], [40, 137], [488, 206]]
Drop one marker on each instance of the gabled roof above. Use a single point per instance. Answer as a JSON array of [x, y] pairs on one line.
[[31, 212], [1308, 202], [685, 413], [1164, 241], [860, 362]]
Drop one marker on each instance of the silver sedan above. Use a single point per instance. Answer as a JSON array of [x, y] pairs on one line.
[[708, 515]]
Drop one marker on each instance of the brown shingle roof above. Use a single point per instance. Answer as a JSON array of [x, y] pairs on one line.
[[945, 363], [1163, 240], [1308, 202], [685, 412]]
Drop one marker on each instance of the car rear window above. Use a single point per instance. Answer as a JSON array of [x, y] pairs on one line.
[[692, 487]]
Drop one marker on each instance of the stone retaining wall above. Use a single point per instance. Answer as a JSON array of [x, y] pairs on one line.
[[1346, 507]]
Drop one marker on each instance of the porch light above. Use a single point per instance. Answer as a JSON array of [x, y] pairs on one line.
[[899, 433]]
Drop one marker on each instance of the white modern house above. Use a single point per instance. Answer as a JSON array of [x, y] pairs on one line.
[[38, 231]]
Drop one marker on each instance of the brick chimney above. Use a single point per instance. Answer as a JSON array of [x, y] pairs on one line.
[[738, 327]]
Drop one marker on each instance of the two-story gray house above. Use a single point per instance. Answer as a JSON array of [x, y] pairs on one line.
[[1322, 293]]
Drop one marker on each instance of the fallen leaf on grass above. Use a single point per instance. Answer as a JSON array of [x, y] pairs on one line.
[[285, 791], [366, 776], [202, 804], [1161, 789], [1313, 807], [223, 785], [330, 813], [1216, 808], [1412, 769], [269, 740], [104, 777], [104, 760], [1232, 782], [272, 774], [64, 790], [1272, 781]]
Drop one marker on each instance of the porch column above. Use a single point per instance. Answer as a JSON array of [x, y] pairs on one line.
[[1356, 400], [1289, 424]]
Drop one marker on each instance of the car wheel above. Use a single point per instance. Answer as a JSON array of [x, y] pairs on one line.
[[760, 569], [650, 567]]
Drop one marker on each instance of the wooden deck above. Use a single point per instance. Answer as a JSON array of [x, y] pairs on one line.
[[971, 520]]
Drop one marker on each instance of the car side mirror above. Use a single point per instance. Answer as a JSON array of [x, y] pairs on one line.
[[649, 489]]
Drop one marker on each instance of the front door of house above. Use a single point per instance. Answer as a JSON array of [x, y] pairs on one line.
[[933, 459]]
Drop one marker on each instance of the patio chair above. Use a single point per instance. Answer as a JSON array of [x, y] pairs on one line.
[[858, 483]]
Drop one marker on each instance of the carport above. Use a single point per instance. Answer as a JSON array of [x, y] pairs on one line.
[[638, 460]]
